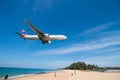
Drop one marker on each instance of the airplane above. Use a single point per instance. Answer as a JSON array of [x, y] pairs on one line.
[[45, 38]]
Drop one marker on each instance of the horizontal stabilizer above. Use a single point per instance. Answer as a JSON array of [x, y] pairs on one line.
[[19, 34]]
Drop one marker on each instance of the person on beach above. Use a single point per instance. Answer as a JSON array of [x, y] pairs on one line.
[[75, 72], [71, 74], [54, 74], [6, 77]]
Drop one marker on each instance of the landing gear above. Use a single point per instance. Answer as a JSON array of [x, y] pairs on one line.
[[43, 42]]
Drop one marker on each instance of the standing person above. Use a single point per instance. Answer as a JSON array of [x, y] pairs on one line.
[[71, 74], [75, 72], [54, 74], [6, 77]]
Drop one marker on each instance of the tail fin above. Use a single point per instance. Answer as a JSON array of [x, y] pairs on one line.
[[24, 33]]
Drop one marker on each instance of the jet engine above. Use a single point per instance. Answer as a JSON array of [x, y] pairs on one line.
[[49, 42], [47, 35]]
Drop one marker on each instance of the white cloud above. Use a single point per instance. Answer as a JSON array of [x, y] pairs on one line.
[[38, 6], [106, 42], [108, 60], [97, 29], [109, 33], [41, 5], [107, 39], [95, 44], [60, 64]]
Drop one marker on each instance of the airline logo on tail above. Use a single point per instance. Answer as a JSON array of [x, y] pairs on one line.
[[24, 33]]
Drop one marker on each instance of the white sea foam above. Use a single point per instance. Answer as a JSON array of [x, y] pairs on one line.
[[21, 75]]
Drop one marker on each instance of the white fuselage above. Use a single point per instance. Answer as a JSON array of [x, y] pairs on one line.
[[48, 37]]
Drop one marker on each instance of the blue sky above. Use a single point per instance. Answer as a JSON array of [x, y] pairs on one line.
[[92, 28]]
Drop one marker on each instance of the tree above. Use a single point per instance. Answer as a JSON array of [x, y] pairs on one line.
[[82, 66]]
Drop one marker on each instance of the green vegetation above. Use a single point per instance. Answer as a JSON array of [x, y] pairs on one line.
[[84, 66]]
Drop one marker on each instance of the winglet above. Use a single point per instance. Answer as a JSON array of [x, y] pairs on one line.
[[26, 21]]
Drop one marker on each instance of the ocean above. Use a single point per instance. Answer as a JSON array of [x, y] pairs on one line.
[[114, 71], [17, 72]]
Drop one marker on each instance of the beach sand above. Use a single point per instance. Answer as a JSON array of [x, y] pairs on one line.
[[72, 75]]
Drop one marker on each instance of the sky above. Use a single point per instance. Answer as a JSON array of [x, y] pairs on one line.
[[92, 28]]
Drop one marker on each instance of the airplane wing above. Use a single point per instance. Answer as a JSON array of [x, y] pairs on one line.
[[38, 32]]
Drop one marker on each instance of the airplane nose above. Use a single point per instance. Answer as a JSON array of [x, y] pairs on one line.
[[65, 37]]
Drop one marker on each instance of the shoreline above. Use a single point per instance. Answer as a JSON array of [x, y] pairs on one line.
[[21, 72], [68, 75], [25, 75], [72, 75]]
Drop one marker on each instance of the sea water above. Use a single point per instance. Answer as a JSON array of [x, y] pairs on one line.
[[17, 72], [114, 71]]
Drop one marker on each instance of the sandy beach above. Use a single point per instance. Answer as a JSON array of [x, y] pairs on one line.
[[72, 75]]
